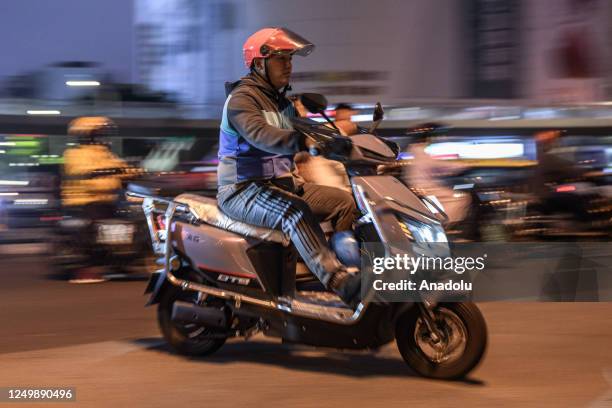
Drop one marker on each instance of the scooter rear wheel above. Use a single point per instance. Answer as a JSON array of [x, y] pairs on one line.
[[186, 339], [459, 350]]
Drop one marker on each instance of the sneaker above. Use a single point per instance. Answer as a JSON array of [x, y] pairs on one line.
[[347, 286]]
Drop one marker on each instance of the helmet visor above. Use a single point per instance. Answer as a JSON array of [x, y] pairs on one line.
[[285, 41]]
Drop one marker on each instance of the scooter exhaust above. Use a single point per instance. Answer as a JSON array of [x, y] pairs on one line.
[[184, 312]]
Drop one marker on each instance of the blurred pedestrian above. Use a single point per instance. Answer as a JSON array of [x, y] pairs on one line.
[[322, 171], [343, 119]]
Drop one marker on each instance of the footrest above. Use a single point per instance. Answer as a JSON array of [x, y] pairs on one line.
[[327, 299]]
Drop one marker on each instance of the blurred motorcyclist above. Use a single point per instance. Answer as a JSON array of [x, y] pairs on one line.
[[90, 184], [425, 172], [257, 144], [553, 169], [89, 176], [343, 119]]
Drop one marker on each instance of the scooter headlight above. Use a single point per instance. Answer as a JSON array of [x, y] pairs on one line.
[[425, 233]]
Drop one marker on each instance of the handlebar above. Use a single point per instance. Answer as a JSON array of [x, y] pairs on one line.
[[359, 150], [321, 139], [329, 145]]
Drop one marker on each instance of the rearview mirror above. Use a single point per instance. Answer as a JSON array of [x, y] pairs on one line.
[[313, 102], [379, 113], [377, 117]]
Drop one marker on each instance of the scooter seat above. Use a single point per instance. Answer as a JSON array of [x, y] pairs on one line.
[[207, 211]]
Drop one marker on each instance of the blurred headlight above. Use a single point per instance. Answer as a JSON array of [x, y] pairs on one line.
[[426, 233]]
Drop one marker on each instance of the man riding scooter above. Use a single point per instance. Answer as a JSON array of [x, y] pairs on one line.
[[256, 149], [222, 278]]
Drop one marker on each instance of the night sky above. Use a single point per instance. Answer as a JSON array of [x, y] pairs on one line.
[[34, 33]]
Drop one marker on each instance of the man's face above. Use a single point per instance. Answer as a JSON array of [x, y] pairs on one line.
[[279, 70]]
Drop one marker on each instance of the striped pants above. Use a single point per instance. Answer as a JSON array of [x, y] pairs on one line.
[[297, 211]]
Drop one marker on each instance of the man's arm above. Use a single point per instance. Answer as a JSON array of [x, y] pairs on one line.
[[247, 118]]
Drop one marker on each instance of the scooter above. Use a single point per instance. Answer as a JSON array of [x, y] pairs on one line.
[[222, 278], [118, 241], [116, 238]]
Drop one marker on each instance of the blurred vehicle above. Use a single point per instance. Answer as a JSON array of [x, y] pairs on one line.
[[120, 242], [167, 168], [505, 207], [197, 177], [574, 211], [487, 182], [29, 196], [465, 174], [590, 153], [490, 184], [29, 182], [564, 203]]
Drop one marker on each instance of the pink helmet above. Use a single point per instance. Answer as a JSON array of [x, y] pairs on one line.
[[268, 41]]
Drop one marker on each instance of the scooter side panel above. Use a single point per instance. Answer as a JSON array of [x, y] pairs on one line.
[[380, 188], [213, 249]]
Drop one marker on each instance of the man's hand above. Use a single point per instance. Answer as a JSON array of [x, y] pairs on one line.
[[314, 147], [338, 145]]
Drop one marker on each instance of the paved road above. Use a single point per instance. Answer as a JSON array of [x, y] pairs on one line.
[[101, 340]]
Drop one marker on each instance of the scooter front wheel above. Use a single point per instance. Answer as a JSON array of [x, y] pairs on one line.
[[457, 349], [187, 339]]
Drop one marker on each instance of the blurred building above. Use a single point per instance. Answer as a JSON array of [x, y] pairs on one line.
[[388, 49], [58, 81], [567, 48], [495, 48], [54, 81]]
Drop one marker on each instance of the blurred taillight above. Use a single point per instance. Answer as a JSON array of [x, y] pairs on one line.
[[566, 189]]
